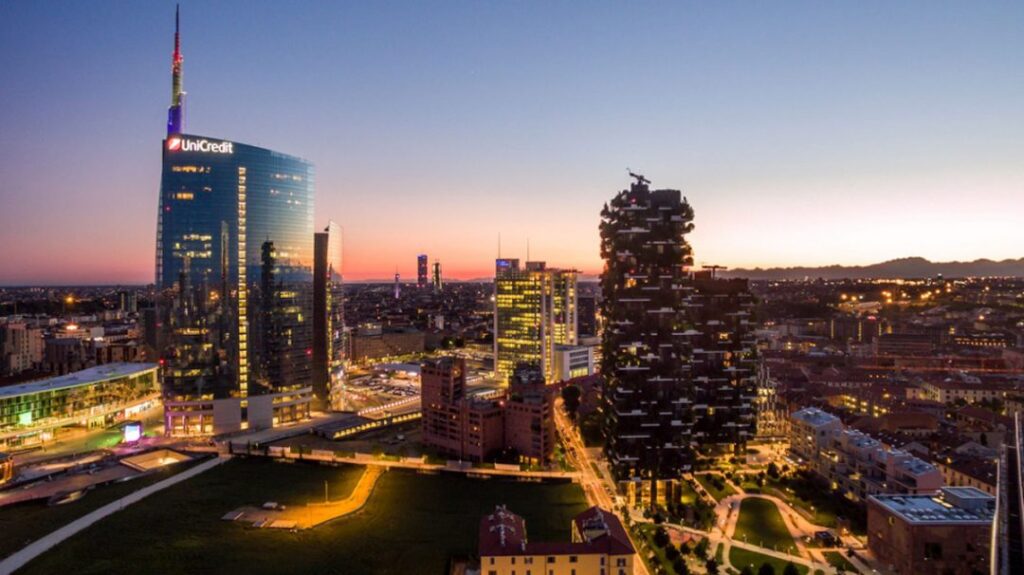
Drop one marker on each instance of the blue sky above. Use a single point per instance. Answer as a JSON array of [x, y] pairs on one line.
[[802, 132]]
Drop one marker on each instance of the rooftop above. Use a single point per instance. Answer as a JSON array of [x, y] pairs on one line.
[[90, 376], [815, 417], [963, 505]]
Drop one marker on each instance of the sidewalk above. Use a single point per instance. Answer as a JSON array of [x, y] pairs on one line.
[[37, 548]]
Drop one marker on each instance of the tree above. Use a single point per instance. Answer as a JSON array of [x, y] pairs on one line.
[[766, 569], [773, 470], [680, 566], [712, 567], [671, 552], [571, 400], [790, 569], [746, 570], [702, 549], [661, 537]]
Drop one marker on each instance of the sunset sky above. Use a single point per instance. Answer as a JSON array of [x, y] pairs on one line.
[[803, 134]]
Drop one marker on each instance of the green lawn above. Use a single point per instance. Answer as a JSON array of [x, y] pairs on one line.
[[412, 524], [719, 494], [23, 523], [688, 493], [839, 561], [760, 523], [740, 557]]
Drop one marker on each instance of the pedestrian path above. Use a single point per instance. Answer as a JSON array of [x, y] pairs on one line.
[[37, 548]]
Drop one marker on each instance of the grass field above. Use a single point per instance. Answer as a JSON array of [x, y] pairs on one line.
[[689, 494], [760, 523], [23, 523], [740, 557], [412, 524], [705, 480]]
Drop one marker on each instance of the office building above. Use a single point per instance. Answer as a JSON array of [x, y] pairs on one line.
[[34, 413], [534, 311], [587, 308], [949, 532], [128, 301], [328, 312], [572, 361], [677, 349], [598, 545], [373, 342], [234, 264], [422, 271], [438, 283]]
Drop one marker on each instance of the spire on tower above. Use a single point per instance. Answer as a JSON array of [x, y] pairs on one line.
[[176, 113]]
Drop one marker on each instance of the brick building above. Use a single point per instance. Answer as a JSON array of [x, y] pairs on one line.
[[949, 533]]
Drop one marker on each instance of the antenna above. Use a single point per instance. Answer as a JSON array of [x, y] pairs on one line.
[[527, 249], [499, 245]]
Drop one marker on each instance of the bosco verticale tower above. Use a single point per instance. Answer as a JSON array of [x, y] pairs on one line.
[[677, 355]]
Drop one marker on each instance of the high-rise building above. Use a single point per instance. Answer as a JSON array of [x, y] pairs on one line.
[[422, 270], [438, 285], [328, 312], [676, 354], [128, 301], [398, 286], [1008, 527], [234, 258], [534, 311]]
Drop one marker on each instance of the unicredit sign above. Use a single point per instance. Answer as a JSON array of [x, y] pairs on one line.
[[183, 144]]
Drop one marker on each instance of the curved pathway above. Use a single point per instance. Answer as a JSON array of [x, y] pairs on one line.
[[313, 514], [19, 559]]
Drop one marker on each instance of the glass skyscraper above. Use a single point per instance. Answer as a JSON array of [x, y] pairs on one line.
[[235, 239], [234, 264]]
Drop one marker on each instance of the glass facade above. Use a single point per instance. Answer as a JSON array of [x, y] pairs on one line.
[[534, 310], [234, 261], [97, 396]]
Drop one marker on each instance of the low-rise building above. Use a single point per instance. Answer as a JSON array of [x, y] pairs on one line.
[[572, 361], [34, 412], [854, 463], [199, 417], [458, 425], [948, 533], [599, 546]]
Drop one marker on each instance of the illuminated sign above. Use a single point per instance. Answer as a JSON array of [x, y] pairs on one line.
[[132, 431], [183, 144]]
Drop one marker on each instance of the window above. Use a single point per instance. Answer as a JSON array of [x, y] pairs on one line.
[[932, 551], [620, 562], [572, 559], [551, 559]]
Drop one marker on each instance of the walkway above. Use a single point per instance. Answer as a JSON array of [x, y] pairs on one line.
[[37, 548], [313, 514]]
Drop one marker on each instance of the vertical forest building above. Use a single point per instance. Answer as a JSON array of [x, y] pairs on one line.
[[677, 355]]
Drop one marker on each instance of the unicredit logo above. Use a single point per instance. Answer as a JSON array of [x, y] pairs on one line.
[[178, 143]]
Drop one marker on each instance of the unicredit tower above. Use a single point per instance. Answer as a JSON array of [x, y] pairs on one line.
[[234, 266]]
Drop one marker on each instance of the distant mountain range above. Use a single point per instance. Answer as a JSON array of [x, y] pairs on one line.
[[898, 268]]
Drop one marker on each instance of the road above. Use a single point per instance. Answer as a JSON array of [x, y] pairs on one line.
[[597, 490]]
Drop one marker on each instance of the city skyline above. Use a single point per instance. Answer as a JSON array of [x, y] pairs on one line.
[[486, 135]]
